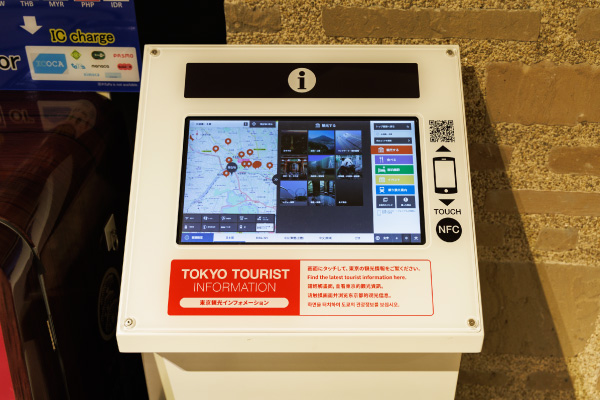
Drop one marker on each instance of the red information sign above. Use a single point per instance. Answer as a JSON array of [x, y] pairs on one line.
[[301, 287], [234, 287]]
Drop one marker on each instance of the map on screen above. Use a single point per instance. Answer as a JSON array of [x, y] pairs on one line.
[[230, 169]]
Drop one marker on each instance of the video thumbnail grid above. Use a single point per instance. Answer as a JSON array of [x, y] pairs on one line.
[[321, 168]]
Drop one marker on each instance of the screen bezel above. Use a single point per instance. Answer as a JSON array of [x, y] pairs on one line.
[[302, 118]]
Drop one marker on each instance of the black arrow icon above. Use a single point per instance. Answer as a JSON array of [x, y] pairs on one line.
[[443, 149], [447, 201]]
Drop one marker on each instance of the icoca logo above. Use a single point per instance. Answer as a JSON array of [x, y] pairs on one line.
[[302, 80], [50, 64]]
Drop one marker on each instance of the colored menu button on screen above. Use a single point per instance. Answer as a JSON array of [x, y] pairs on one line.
[[395, 189], [210, 227], [210, 218], [197, 237], [391, 140], [395, 169], [247, 227], [405, 201], [386, 202], [228, 227], [384, 237], [391, 150], [265, 218], [395, 179], [190, 227], [407, 160], [397, 238]]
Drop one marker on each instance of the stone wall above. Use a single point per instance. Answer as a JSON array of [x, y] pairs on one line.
[[531, 73]]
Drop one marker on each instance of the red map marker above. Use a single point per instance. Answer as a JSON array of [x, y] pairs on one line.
[[229, 159], [241, 154], [215, 148], [256, 164], [228, 141], [250, 152], [269, 165], [226, 173]]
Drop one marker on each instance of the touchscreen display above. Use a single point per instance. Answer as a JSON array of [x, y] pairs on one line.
[[301, 180]]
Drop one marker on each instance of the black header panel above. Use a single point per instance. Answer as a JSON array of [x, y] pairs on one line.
[[270, 80]]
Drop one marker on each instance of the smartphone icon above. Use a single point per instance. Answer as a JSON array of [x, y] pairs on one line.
[[444, 172]]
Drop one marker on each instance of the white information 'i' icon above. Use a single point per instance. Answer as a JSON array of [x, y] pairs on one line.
[[302, 80]]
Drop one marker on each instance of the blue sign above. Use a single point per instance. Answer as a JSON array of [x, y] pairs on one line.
[[50, 64], [84, 45]]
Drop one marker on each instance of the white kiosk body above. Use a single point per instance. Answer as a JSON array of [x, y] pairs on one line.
[[301, 224]]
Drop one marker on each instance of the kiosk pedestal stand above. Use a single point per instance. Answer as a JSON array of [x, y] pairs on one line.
[[276, 376], [301, 224]]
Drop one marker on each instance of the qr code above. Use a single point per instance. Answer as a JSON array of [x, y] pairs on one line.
[[441, 130]]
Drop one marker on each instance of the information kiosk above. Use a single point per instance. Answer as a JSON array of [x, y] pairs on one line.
[[301, 224]]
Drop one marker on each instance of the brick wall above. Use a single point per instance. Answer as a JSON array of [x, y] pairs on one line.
[[531, 73]]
